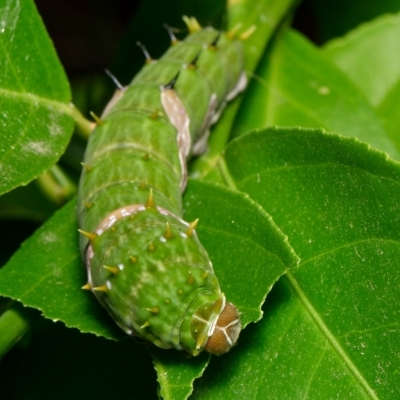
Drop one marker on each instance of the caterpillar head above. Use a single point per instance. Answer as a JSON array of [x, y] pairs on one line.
[[226, 331], [216, 326]]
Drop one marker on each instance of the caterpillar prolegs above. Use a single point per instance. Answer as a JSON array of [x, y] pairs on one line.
[[145, 264]]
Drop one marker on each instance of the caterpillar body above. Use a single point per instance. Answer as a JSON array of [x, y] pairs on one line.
[[145, 264]]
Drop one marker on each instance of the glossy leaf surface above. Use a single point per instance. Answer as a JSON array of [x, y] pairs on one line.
[[35, 121], [369, 57], [298, 86], [331, 326]]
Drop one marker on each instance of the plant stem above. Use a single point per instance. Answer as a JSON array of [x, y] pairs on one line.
[[56, 185], [14, 323], [83, 126]]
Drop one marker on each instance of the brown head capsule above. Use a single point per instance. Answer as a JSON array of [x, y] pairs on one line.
[[226, 331]]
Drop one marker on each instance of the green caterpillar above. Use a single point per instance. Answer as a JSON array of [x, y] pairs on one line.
[[145, 264]]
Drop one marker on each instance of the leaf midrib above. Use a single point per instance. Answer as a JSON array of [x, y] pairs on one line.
[[329, 336], [35, 99], [296, 287]]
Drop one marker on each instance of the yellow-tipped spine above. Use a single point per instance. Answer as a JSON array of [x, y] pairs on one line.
[[192, 227], [113, 270], [192, 24], [155, 114], [88, 168], [190, 279], [153, 310], [145, 325], [245, 35], [100, 288], [150, 201], [168, 231], [90, 235], [87, 205], [232, 33], [97, 119], [88, 286]]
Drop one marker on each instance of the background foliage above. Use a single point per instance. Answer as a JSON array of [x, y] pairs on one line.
[[307, 219]]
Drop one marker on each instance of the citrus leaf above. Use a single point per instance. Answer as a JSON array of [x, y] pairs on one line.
[[36, 119], [301, 87], [369, 57], [331, 327], [47, 273], [176, 373]]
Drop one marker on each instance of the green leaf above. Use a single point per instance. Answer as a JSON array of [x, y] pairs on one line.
[[51, 280], [36, 117], [285, 357], [298, 86], [47, 273], [388, 112], [176, 373], [332, 326], [369, 57]]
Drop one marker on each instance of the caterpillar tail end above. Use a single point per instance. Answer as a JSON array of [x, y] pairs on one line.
[[226, 332]]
